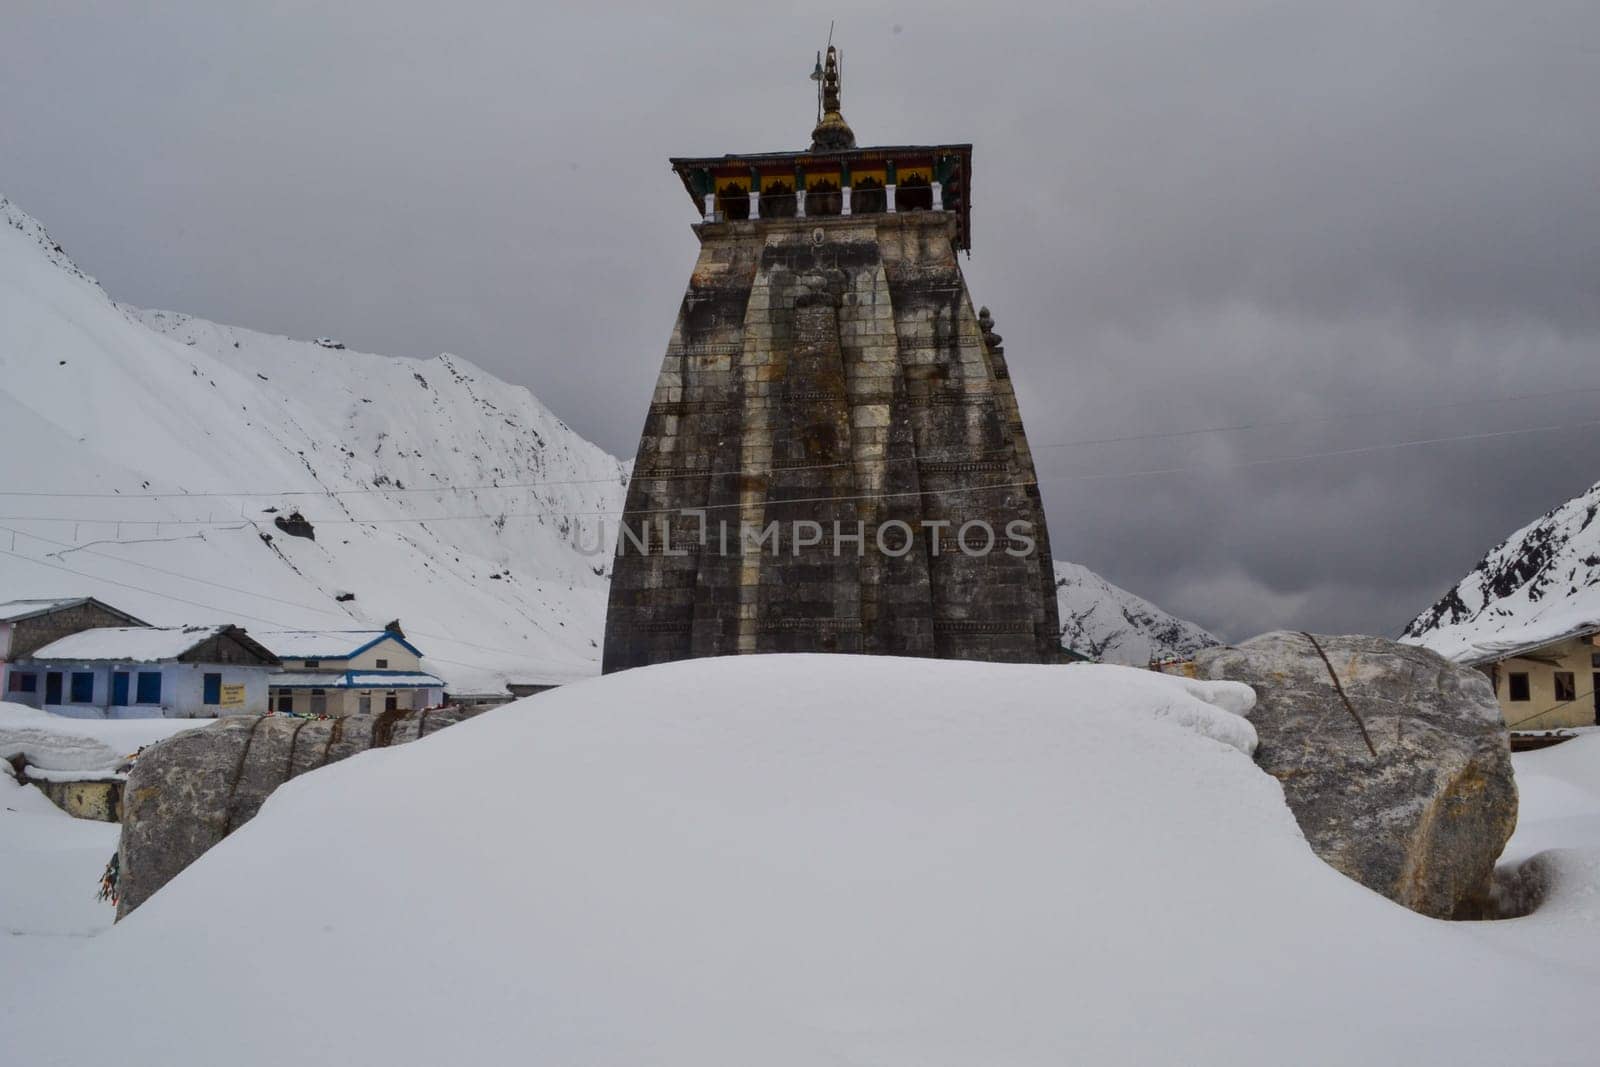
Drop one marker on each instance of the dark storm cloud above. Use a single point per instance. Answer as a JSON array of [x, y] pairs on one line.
[[1186, 216]]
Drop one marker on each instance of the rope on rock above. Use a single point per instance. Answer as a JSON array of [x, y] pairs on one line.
[[294, 737], [335, 734], [383, 727], [1339, 688], [238, 774]]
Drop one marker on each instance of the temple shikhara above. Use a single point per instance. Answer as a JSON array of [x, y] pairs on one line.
[[833, 459]]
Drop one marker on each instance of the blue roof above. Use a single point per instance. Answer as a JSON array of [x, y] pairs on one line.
[[326, 644]]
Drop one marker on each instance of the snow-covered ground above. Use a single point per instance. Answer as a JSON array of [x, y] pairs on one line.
[[50, 866], [81, 746], [817, 859]]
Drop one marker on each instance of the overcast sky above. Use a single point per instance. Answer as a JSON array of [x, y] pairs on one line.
[[1342, 225]]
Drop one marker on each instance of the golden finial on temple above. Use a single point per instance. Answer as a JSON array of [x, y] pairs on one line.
[[831, 132]]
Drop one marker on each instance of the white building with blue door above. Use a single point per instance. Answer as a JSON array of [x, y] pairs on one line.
[[123, 672]]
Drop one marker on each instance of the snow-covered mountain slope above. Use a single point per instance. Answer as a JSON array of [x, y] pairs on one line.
[[1541, 582], [1110, 624], [148, 459]]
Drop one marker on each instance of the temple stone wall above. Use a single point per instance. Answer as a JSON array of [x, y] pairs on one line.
[[830, 371]]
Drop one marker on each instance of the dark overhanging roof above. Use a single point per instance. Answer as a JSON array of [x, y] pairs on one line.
[[824, 155], [958, 200], [50, 605]]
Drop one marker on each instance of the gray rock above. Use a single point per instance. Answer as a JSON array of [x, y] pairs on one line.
[[190, 791], [1409, 788]]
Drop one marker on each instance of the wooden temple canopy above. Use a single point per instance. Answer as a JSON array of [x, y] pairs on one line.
[[906, 166]]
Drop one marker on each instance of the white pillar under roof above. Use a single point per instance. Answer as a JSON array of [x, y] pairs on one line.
[[938, 196], [844, 201], [755, 201], [888, 192], [710, 212], [800, 203]]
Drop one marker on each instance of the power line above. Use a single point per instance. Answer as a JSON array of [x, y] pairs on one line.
[[530, 514], [234, 613], [1546, 711], [1392, 446], [624, 512], [934, 455], [1332, 417]]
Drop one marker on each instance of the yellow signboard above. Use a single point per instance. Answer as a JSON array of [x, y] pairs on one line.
[[232, 696]]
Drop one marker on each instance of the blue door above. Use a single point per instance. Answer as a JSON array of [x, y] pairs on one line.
[[52, 687], [119, 689]]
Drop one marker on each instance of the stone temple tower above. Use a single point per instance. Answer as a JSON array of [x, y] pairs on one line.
[[833, 459]]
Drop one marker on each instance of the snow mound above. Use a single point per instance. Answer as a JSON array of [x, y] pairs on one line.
[[1110, 624], [57, 743], [50, 866], [801, 860]]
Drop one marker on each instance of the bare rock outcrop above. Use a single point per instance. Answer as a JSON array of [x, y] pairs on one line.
[[1395, 761], [190, 791]]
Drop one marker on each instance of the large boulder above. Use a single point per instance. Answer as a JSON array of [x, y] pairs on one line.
[[190, 791], [1395, 761]]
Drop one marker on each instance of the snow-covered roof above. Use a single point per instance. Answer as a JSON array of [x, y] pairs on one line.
[[324, 644], [353, 680], [1474, 647], [137, 644], [392, 679], [29, 607], [12, 610]]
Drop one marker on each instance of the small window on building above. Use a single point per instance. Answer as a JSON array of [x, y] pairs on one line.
[[319, 702], [1566, 686], [213, 689], [285, 702], [24, 683], [83, 687], [1517, 686], [364, 703], [383, 664], [391, 702], [1594, 660], [313, 663], [149, 687]]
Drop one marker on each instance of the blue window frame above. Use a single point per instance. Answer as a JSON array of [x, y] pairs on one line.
[[119, 689], [26, 682], [149, 687], [213, 689], [52, 687], [83, 687]]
